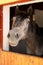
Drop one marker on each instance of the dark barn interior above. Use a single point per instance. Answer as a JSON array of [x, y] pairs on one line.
[[24, 8]]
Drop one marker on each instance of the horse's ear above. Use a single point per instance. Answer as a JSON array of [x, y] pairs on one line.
[[30, 10], [16, 10]]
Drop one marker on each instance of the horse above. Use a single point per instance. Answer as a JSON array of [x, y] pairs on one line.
[[21, 30]]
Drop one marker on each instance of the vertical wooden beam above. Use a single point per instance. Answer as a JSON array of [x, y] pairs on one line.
[[1, 26]]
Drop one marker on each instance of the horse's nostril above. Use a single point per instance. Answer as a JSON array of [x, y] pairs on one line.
[[17, 36], [8, 35]]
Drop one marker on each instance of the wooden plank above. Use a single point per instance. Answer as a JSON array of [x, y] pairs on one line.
[[4, 2], [9, 58]]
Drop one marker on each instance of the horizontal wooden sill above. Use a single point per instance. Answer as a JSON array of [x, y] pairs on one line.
[[9, 58]]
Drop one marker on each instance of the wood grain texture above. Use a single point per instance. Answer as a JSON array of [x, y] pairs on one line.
[[9, 58]]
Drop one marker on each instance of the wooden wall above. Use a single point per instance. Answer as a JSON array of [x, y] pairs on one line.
[[9, 58]]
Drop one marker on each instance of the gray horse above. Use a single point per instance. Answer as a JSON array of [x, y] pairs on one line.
[[21, 30]]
